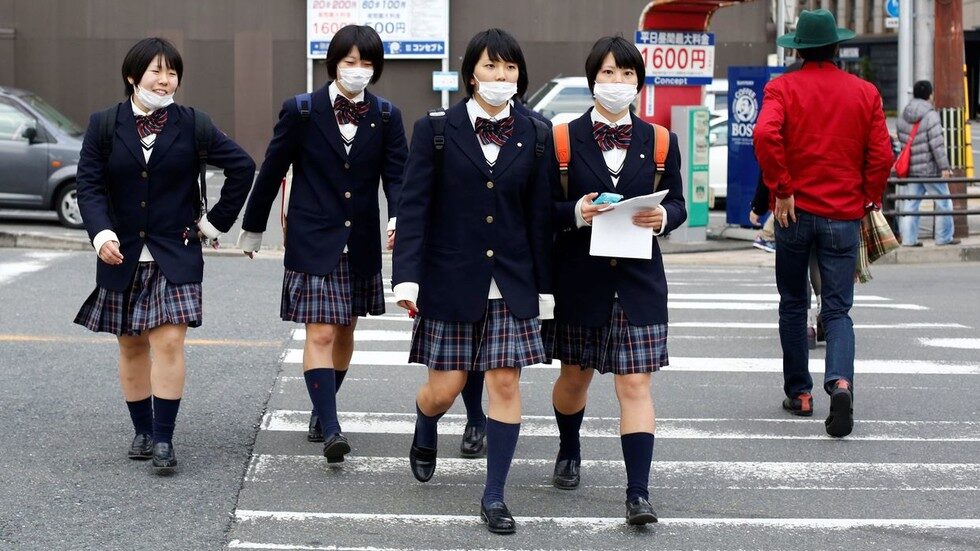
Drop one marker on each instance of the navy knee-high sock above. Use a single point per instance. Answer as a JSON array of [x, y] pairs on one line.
[[638, 454], [473, 399], [164, 419], [427, 429], [569, 446], [339, 378], [141, 412], [501, 443], [321, 384]]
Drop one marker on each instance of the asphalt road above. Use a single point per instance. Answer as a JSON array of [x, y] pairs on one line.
[[731, 470]]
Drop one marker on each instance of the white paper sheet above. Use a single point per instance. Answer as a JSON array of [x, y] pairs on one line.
[[614, 234]]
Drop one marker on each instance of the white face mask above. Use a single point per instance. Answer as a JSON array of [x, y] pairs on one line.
[[496, 93], [614, 96], [354, 79], [151, 100]]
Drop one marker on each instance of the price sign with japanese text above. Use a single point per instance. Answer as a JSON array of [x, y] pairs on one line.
[[409, 29], [677, 58]]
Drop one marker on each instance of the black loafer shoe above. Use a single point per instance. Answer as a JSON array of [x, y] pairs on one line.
[[314, 434], [423, 462], [566, 474], [164, 460], [474, 442], [142, 447], [498, 518], [639, 511], [335, 448], [840, 422]]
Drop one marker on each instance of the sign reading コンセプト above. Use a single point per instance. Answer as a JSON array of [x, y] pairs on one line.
[[411, 29]]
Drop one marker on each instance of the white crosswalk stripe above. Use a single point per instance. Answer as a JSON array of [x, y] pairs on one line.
[[28, 263], [774, 455]]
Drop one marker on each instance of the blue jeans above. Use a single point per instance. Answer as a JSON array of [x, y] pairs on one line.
[[835, 245], [909, 225]]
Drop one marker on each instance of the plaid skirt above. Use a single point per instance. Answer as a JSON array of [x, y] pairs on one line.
[[335, 298], [618, 347], [498, 340], [151, 301]]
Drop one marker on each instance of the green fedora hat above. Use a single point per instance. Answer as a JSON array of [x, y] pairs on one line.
[[814, 29]]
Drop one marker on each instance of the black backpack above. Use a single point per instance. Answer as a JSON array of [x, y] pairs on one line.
[[304, 103], [203, 130], [437, 119]]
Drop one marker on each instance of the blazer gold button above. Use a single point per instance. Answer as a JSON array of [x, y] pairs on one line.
[[142, 234], [347, 223], [489, 219], [347, 165], [143, 174], [143, 204], [347, 195], [490, 253], [612, 262], [489, 185]]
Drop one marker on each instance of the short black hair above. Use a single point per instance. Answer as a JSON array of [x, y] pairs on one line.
[[922, 89], [143, 53], [625, 54], [820, 53], [368, 44], [500, 46]]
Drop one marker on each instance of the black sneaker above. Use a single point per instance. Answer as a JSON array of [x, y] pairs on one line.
[[841, 419]]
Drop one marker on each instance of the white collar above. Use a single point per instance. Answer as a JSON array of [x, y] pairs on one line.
[[137, 111], [597, 117], [334, 92], [474, 110]]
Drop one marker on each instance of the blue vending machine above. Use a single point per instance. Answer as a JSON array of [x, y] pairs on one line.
[[745, 90]]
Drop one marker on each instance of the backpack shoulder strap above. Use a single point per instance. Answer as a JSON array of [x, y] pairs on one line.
[[203, 131], [563, 152], [304, 103], [385, 107], [107, 126], [661, 143], [540, 136], [437, 119]]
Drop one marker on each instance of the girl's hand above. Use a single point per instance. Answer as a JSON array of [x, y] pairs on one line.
[[109, 253], [649, 218]]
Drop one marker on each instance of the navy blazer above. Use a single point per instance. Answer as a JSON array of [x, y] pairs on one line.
[[151, 203], [585, 286], [457, 232], [333, 201]]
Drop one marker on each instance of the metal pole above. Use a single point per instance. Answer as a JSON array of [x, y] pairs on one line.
[[904, 53], [309, 76], [780, 30], [925, 28]]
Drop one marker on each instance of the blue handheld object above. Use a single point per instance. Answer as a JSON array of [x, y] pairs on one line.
[[607, 198]]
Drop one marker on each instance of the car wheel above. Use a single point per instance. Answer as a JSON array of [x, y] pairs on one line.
[[66, 205]]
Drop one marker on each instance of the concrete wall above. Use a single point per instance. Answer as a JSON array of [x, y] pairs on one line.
[[243, 57]]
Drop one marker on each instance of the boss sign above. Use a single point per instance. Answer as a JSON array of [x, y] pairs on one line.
[[676, 58]]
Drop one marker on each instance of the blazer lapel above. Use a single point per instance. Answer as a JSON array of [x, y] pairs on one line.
[[325, 120], [366, 127], [126, 130], [522, 139], [461, 132], [639, 152], [588, 150], [166, 136]]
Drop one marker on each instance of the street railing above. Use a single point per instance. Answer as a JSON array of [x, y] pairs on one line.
[[892, 196]]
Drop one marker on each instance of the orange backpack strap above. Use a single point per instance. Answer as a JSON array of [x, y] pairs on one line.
[[661, 143], [563, 152]]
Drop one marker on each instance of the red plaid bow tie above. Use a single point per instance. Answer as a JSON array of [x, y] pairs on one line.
[[609, 137], [491, 131], [152, 123], [349, 112]]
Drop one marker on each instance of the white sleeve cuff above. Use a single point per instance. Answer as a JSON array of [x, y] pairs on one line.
[[579, 220], [208, 229], [663, 223], [102, 238], [250, 242], [391, 223], [546, 307], [407, 291]]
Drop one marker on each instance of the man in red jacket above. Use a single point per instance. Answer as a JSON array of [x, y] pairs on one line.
[[825, 154]]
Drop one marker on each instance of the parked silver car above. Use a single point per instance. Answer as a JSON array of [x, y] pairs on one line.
[[39, 150]]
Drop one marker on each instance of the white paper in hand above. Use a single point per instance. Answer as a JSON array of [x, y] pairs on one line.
[[614, 234]]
